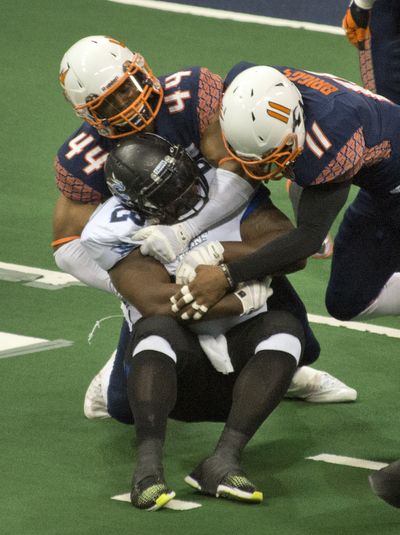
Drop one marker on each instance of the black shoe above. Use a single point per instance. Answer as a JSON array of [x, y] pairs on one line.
[[151, 493], [210, 478]]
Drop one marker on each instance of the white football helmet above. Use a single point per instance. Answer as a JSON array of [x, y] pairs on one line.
[[262, 122], [109, 86]]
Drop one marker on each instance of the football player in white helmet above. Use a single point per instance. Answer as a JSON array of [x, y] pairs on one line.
[[109, 86], [262, 122]]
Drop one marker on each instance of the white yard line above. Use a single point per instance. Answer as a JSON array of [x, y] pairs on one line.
[[347, 461], [13, 345], [232, 15], [355, 325]]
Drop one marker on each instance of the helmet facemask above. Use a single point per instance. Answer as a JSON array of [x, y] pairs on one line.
[[128, 105], [274, 165]]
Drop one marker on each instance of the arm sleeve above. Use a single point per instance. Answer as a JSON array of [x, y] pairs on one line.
[[228, 194], [318, 208], [73, 258]]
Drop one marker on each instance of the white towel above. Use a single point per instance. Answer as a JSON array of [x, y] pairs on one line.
[[216, 349]]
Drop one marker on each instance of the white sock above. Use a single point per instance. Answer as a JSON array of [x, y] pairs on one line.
[[388, 301]]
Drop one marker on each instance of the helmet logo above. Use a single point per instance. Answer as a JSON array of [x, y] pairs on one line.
[[282, 114], [63, 75], [117, 187]]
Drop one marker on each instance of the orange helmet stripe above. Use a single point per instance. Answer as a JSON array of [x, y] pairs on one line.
[[278, 116]]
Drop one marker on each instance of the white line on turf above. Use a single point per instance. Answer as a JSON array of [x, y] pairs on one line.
[[232, 15], [355, 325], [176, 505], [13, 345], [347, 461]]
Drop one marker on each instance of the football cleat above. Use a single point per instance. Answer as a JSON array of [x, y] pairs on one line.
[[151, 493], [95, 403], [326, 249], [385, 483], [317, 386], [233, 485]]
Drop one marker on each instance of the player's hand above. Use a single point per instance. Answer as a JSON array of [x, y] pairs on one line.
[[356, 25], [163, 242], [254, 294], [209, 286], [211, 254]]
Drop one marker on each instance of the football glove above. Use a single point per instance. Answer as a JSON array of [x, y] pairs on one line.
[[163, 242], [356, 25], [211, 254], [253, 294]]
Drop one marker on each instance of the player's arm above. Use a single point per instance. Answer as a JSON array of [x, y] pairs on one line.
[[146, 284], [356, 22], [318, 208], [73, 208], [69, 218], [264, 225]]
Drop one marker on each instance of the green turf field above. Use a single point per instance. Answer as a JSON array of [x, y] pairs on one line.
[[59, 470]]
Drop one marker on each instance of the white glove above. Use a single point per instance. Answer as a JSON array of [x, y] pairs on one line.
[[254, 294], [211, 254], [163, 242]]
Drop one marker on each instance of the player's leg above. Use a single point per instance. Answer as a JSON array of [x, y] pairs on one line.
[[167, 377], [265, 352], [308, 384], [152, 393], [366, 255], [107, 395]]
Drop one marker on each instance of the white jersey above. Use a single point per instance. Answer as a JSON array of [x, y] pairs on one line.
[[107, 238]]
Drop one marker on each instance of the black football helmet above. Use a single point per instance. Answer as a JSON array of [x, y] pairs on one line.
[[156, 179]]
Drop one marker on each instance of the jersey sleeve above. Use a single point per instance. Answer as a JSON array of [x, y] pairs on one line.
[[107, 237], [79, 166], [334, 146], [209, 97], [73, 187]]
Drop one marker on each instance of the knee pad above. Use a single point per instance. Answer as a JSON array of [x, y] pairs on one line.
[[155, 343], [283, 342], [277, 322], [168, 335]]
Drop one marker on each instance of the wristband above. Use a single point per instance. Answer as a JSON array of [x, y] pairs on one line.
[[228, 276]]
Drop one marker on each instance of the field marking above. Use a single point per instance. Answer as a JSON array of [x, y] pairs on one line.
[[13, 345], [37, 277], [347, 461], [232, 15], [355, 325], [176, 505]]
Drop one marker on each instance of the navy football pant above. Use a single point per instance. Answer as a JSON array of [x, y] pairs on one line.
[[366, 253]]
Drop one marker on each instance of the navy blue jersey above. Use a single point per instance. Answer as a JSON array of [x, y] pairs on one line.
[[191, 98], [350, 132]]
